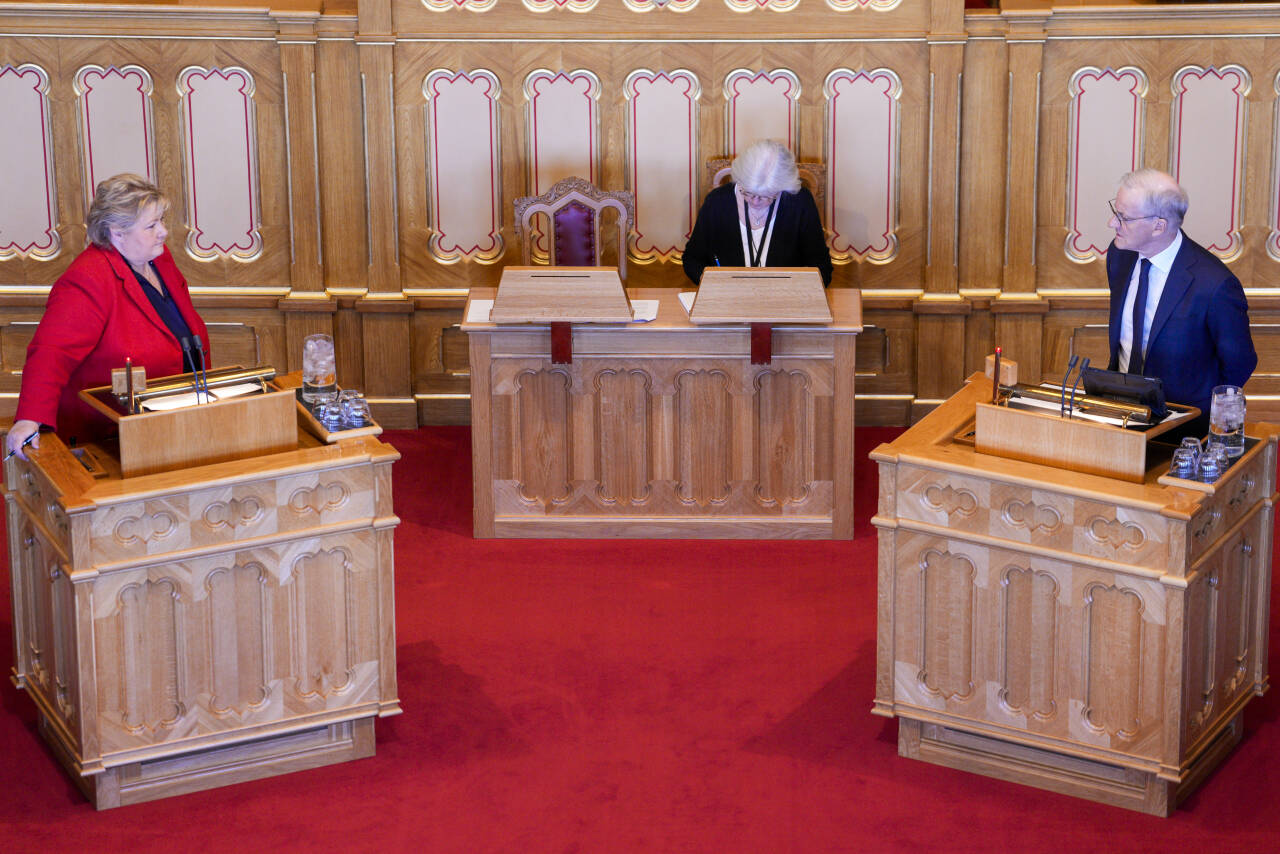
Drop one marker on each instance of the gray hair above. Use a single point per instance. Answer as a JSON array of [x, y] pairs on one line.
[[766, 167], [118, 203], [1160, 193]]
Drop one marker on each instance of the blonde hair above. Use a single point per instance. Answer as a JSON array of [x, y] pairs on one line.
[[118, 203], [766, 167]]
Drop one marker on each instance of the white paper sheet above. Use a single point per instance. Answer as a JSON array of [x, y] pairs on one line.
[[479, 310], [644, 310], [178, 401], [686, 300]]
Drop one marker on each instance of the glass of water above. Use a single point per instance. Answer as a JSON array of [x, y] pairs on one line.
[[319, 370], [1226, 419]]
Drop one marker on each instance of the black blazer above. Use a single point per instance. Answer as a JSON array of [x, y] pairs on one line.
[[1200, 335], [798, 239]]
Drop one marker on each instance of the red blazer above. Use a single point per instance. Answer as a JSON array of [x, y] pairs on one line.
[[96, 315]]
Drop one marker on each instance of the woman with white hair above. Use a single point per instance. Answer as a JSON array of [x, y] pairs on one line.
[[764, 218]]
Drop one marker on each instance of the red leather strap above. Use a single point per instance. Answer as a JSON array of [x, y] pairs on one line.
[[561, 343], [761, 343]]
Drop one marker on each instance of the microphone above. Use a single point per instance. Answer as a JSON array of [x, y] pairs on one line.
[[188, 359], [1079, 376], [204, 375], [1062, 405]]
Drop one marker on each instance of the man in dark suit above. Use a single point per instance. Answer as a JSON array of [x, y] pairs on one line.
[[1173, 295]]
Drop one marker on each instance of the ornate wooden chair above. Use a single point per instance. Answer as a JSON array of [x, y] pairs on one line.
[[812, 175], [575, 207]]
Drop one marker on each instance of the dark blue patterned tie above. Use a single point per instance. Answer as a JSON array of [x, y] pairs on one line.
[[1139, 316]]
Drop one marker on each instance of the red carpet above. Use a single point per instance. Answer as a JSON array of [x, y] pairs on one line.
[[627, 696]]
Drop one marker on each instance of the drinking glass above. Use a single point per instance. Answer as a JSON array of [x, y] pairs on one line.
[[1193, 445], [1184, 464], [355, 411], [329, 414], [1226, 419], [1210, 466], [319, 370]]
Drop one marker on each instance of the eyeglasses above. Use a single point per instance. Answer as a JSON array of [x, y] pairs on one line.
[[1125, 220], [759, 198]]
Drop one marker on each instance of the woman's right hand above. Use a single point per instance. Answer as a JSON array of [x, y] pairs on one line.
[[19, 433]]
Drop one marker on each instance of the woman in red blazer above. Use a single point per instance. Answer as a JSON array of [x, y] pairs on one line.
[[123, 297]]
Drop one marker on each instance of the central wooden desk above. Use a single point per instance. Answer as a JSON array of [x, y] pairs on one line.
[[1070, 631], [664, 429]]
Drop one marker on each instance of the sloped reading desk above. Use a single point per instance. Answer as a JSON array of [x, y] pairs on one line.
[[1096, 635], [664, 428], [761, 297], [210, 623]]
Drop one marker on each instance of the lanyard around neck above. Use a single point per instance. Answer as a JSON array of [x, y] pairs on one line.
[[754, 254]]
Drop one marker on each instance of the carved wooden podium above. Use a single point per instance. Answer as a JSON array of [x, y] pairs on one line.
[[663, 429], [208, 624], [1072, 631]]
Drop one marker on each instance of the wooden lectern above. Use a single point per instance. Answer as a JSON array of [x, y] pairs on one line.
[[760, 297], [1091, 634], [206, 624], [561, 296]]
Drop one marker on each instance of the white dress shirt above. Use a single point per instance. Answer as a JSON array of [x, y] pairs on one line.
[[1161, 264]]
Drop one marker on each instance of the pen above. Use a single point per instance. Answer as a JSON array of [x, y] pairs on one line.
[[716, 258], [25, 442]]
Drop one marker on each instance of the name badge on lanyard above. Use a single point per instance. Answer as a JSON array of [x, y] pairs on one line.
[[754, 254]]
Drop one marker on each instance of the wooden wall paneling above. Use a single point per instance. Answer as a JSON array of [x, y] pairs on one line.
[[1019, 332], [385, 312], [441, 370], [385, 328], [413, 62], [349, 343], [297, 44], [946, 62], [886, 379], [1026, 49], [1257, 265], [343, 203], [980, 333], [940, 337], [376, 81], [984, 140], [707, 19], [1073, 327]]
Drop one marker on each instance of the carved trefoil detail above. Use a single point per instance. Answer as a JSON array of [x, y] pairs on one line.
[[1027, 644], [862, 153], [624, 424], [946, 627], [704, 417], [1207, 152], [28, 217], [463, 132], [238, 632], [1116, 533], [152, 647], [1112, 660], [1025, 514], [1105, 141], [784, 437], [116, 129], [541, 449], [950, 500], [324, 653], [220, 160]]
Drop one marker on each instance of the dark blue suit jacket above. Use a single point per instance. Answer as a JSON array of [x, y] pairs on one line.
[[1200, 335]]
